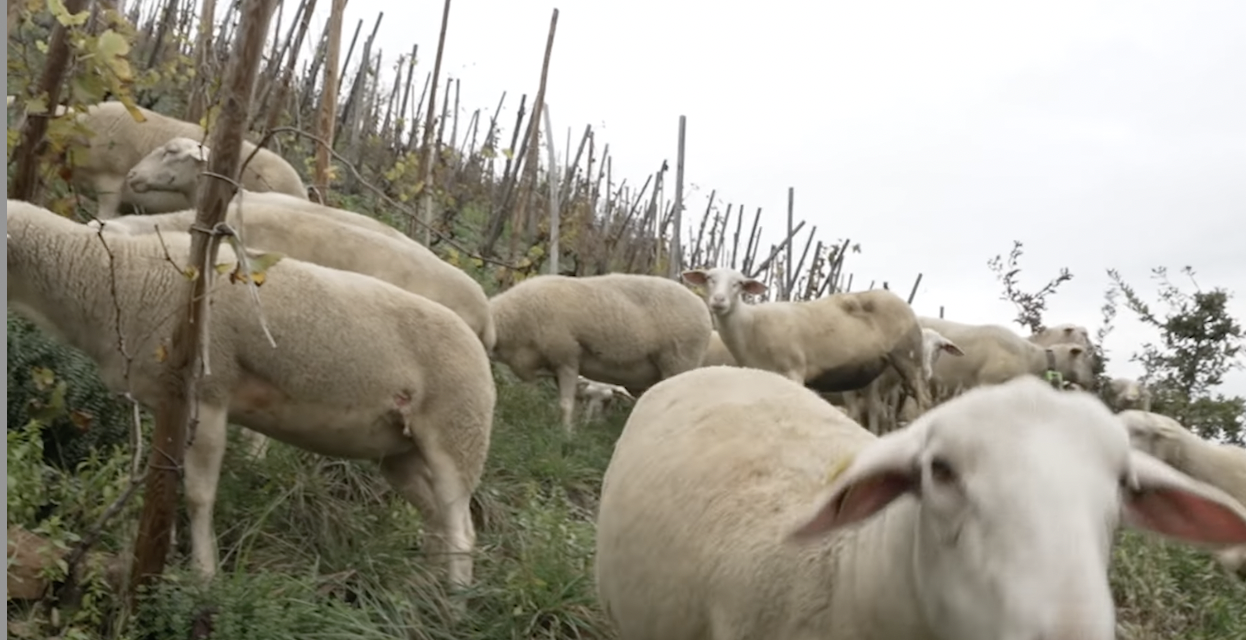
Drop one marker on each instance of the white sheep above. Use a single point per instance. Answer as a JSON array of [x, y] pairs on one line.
[[991, 517], [717, 353], [362, 369], [1062, 334], [995, 354], [330, 243], [838, 343], [178, 165], [118, 142], [1127, 393], [891, 392], [1220, 465], [618, 328], [598, 395]]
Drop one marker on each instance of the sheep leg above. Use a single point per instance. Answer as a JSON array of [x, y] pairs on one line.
[[108, 196], [257, 443], [914, 384], [591, 408], [568, 382], [202, 473], [429, 479]]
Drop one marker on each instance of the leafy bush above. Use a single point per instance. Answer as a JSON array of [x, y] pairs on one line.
[[94, 417]]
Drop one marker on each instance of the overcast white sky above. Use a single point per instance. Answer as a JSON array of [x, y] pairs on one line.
[[1101, 134]]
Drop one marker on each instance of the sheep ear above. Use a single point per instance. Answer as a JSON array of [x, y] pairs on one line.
[[1076, 351], [879, 473], [696, 277], [1165, 501], [951, 348], [204, 153], [754, 287]]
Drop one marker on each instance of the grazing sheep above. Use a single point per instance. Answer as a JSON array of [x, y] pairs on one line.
[[178, 166], [618, 328], [891, 392], [1126, 393], [598, 396], [118, 142], [329, 243], [838, 343], [717, 354], [1220, 465], [362, 369], [996, 354], [997, 515]]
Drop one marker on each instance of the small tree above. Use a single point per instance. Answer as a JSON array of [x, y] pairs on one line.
[[1030, 306], [1200, 342]]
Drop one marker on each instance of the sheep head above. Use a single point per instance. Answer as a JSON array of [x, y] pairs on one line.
[[723, 287], [173, 166]]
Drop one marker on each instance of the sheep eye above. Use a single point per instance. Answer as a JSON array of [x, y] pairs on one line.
[[941, 471]]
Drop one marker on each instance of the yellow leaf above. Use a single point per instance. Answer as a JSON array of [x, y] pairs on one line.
[[43, 377], [62, 15], [162, 353], [191, 272], [223, 267], [264, 261], [510, 155], [113, 48]]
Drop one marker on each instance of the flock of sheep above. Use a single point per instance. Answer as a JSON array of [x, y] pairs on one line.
[[998, 493]]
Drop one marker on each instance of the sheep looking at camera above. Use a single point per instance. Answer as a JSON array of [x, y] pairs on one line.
[[362, 369], [1220, 465], [619, 328], [842, 342], [177, 166], [1126, 393], [118, 142], [991, 517]]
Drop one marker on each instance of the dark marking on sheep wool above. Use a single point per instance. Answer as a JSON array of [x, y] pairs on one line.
[[856, 307], [847, 378]]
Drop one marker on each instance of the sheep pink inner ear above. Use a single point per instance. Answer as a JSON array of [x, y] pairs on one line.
[[1170, 503], [880, 473], [754, 287], [694, 276], [953, 349]]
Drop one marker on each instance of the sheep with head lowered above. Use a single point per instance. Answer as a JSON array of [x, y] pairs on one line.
[[362, 369], [619, 328], [842, 342], [117, 142], [327, 242], [330, 243], [177, 166], [995, 354], [894, 403], [1220, 465], [598, 396], [991, 517]]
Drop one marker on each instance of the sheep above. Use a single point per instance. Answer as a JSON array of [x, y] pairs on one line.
[[934, 345], [362, 369], [178, 165], [995, 354], [715, 521], [717, 353], [1062, 334], [618, 328], [118, 142], [838, 343], [329, 243], [1220, 465], [1126, 393], [598, 395]]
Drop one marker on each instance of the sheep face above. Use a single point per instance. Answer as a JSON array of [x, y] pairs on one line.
[[1018, 489], [723, 287], [1155, 434], [1076, 361], [1062, 333], [173, 166]]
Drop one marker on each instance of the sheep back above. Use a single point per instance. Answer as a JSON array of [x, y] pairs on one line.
[[712, 469], [624, 329]]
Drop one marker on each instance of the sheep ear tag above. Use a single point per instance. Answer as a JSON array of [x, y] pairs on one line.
[[838, 468]]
